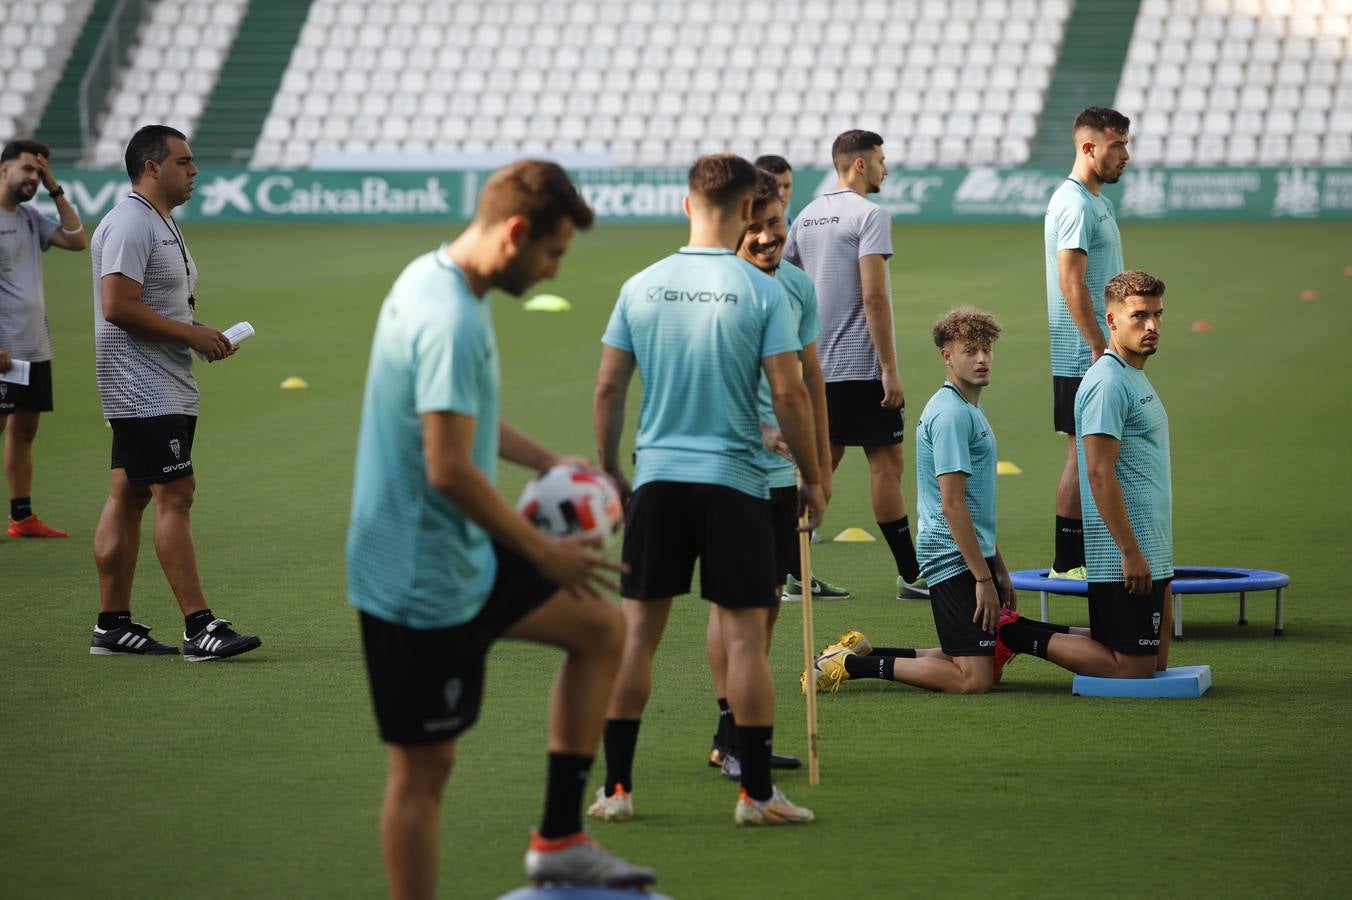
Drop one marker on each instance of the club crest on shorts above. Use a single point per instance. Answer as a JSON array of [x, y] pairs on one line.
[[1155, 622], [4, 389], [452, 692], [175, 447]]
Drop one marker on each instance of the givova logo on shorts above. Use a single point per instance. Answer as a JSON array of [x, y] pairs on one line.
[[176, 448]]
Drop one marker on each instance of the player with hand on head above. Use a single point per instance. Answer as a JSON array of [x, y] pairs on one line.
[[145, 282], [1126, 497], [700, 326], [762, 245], [1083, 249], [437, 588], [25, 234], [843, 241]]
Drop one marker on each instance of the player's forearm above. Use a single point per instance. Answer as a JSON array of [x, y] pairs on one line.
[[462, 483], [1112, 507], [1081, 309], [960, 526], [878, 316], [793, 409], [70, 222], [608, 425], [516, 446], [136, 318], [816, 389]]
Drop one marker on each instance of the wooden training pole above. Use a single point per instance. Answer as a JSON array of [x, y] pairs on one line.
[[805, 561]]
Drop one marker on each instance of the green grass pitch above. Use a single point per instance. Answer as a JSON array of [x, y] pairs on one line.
[[261, 777]]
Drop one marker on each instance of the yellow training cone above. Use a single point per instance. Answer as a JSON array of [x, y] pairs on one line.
[[294, 383], [1005, 467], [547, 303], [855, 536]]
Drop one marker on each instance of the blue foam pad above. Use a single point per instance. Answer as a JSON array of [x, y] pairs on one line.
[[575, 892], [1185, 681]]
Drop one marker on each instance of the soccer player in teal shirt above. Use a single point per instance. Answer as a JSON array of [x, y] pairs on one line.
[[1083, 249], [956, 488], [762, 245], [1127, 501], [440, 565], [699, 327]]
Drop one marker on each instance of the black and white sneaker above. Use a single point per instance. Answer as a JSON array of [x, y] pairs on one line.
[[218, 641], [133, 638]]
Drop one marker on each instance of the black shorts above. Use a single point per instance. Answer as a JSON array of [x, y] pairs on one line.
[[953, 602], [153, 450], [427, 684], [784, 508], [36, 395], [1125, 622], [670, 524], [1064, 389], [857, 419]]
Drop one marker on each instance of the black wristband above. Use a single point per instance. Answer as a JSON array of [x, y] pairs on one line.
[[59, 192]]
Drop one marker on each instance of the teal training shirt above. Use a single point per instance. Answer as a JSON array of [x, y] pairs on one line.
[[953, 436], [699, 323], [412, 557], [803, 303], [1078, 219], [1117, 399]]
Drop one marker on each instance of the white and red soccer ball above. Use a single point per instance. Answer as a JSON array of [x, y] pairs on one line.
[[571, 500]]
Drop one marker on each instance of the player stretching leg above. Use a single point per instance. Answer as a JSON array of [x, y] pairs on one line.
[[1126, 498], [955, 460], [437, 588]]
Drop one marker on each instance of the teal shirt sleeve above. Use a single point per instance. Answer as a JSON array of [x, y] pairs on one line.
[[1073, 224], [951, 442], [617, 329], [781, 333], [1103, 408], [809, 323], [449, 366]]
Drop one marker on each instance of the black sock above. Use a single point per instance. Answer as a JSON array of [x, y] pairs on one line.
[[1023, 637], [871, 666], [114, 619], [755, 741], [621, 738], [564, 785], [1046, 626], [905, 652], [898, 535], [1069, 544], [20, 508], [726, 735], [193, 623]]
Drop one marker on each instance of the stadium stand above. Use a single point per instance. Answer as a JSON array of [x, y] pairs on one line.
[[1240, 82], [33, 51], [234, 115], [172, 69], [1086, 73], [948, 83]]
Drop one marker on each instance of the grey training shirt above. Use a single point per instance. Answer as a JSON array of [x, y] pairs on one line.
[[137, 377]]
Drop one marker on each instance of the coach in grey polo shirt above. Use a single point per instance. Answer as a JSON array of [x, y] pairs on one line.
[[843, 240], [144, 334]]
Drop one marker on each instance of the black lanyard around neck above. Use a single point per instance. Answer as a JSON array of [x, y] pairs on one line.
[[173, 229]]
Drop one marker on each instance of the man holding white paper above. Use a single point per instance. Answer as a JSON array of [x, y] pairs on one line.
[[144, 336], [25, 340]]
